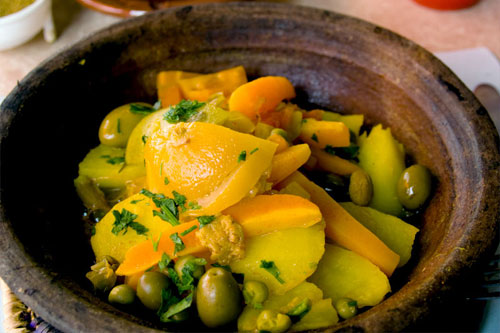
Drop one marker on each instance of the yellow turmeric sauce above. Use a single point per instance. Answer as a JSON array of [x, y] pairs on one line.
[[8, 7]]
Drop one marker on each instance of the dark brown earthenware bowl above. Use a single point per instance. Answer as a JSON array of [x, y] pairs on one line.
[[50, 121]]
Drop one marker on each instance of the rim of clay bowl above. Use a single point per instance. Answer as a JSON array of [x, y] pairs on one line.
[[26, 277]]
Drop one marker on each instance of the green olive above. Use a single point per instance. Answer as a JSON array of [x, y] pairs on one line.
[[255, 293], [122, 294], [360, 188], [346, 308], [414, 186], [149, 289], [116, 127], [189, 262], [273, 321], [218, 297]]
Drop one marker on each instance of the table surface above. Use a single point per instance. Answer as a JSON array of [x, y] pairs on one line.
[[435, 30]]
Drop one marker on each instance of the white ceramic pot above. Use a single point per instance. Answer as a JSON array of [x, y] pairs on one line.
[[21, 26]]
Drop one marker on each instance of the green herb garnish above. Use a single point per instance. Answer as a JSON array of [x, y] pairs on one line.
[[164, 261], [125, 220], [254, 150], [242, 156], [300, 310], [179, 244], [182, 111], [114, 160], [348, 153], [314, 137], [133, 202], [176, 308], [118, 129], [168, 208], [226, 267], [187, 231], [272, 269], [193, 205], [141, 109], [144, 139], [180, 200], [205, 219], [166, 181], [155, 244]]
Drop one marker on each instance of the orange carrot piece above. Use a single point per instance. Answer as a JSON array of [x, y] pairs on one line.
[[314, 114], [319, 134], [288, 161], [346, 231], [332, 163], [261, 95], [167, 85], [201, 87], [143, 255], [267, 213]]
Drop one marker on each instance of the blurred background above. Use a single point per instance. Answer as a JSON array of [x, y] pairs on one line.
[[466, 39]]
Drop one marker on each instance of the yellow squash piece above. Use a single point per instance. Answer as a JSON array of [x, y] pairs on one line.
[[267, 213], [201, 87], [209, 164], [105, 242], [343, 273], [343, 229], [383, 158], [106, 167], [294, 252], [352, 121], [394, 232], [320, 134]]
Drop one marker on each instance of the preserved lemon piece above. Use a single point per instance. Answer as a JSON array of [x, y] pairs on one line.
[[209, 164]]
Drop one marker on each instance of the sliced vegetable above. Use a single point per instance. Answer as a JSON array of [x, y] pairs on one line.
[[394, 232], [261, 95], [333, 163], [342, 273], [319, 134], [383, 158], [288, 161], [342, 228], [267, 213], [167, 83]]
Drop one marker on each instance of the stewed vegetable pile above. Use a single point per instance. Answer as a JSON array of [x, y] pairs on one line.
[[228, 205]]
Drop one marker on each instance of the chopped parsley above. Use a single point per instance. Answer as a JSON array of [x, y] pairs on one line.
[[348, 153], [205, 219], [193, 205], [352, 303], [133, 202], [144, 139], [182, 111], [272, 269], [118, 128], [114, 160], [168, 208], [314, 137], [155, 244], [226, 267], [187, 231], [166, 181], [141, 109], [254, 150], [164, 261], [242, 156], [179, 244], [125, 220], [176, 308], [179, 200]]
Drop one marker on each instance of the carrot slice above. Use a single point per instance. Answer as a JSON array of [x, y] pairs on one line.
[[346, 231], [288, 161], [267, 213], [261, 95], [143, 255]]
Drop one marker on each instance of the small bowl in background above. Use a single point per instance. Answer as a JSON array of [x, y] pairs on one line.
[[19, 27]]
